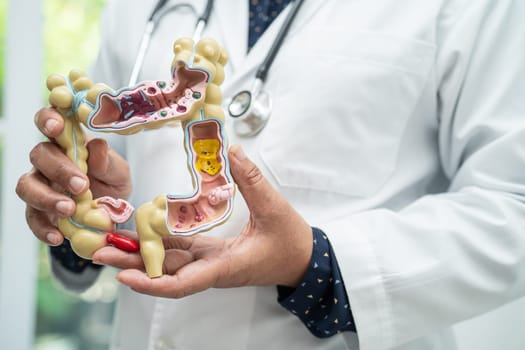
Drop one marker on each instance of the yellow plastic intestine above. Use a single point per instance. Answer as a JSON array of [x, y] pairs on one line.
[[76, 98], [151, 218], [88, 227], [206, 150]]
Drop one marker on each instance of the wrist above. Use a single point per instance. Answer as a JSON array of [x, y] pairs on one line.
[[300, 261]]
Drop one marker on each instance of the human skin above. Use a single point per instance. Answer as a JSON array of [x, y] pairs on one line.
[[274, 248], [203, 127], [207, 55], [48, 172], [53, 173], [94, 221]]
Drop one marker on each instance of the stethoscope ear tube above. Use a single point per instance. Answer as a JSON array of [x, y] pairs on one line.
[[145, 40], [207, 11], [143, 48], [251, 110], [203, 20], [156, 15], [160, 4], [264, 68]]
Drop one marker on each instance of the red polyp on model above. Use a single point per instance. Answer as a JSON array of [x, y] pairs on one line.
[[122, 242]]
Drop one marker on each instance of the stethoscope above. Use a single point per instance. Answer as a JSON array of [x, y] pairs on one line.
[[159, 11], [250, 109]]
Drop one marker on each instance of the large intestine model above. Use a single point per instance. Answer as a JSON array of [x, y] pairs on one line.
[[192, 99]]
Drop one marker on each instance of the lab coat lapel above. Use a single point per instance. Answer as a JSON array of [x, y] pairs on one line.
[[235, 32]]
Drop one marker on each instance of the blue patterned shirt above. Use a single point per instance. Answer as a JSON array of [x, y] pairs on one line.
[[320, 301], [262, 14]]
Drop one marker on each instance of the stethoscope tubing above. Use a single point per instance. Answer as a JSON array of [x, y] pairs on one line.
[[255, 122], [252, 108], [153, 21], [264, 68], [141, 55]]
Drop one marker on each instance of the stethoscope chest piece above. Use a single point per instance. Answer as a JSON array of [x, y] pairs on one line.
[[250, 110]]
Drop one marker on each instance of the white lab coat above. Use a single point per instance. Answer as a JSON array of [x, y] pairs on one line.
[[398, 128]]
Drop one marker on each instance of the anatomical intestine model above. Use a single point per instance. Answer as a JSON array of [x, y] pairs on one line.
[[192, 99]]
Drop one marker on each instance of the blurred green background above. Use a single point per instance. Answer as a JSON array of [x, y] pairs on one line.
[[71, 33], [66, 321], [2, 52]]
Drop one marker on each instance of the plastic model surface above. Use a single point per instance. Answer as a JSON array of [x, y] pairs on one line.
[[192, 99]]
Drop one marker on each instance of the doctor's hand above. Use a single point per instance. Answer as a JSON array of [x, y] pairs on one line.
[[43, 188], [274, 248]]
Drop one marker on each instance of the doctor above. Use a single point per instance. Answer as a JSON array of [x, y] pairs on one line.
[[397, 132]]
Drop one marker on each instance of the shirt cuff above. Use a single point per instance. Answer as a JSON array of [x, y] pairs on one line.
[[74, 273], [320, 301], [66, 257]]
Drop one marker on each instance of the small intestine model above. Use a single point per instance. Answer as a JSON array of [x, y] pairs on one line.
[[191, 99]]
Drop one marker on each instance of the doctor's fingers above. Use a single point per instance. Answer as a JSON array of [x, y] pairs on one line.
[[43, 226], [108, 172], [55, 166], [118, 258], [49, 122], [191, 278], [173, 261], [262, 199], [196, 244], [43, 206], [34, 189]]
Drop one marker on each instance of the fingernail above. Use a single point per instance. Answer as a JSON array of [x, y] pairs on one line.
[[50, 126], [97, 262], [53, 238], [238, 153], [77, 184], [65, 207], [95, 259]]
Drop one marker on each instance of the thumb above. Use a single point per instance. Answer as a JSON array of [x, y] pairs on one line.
[[256, 190], [106, 165]]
